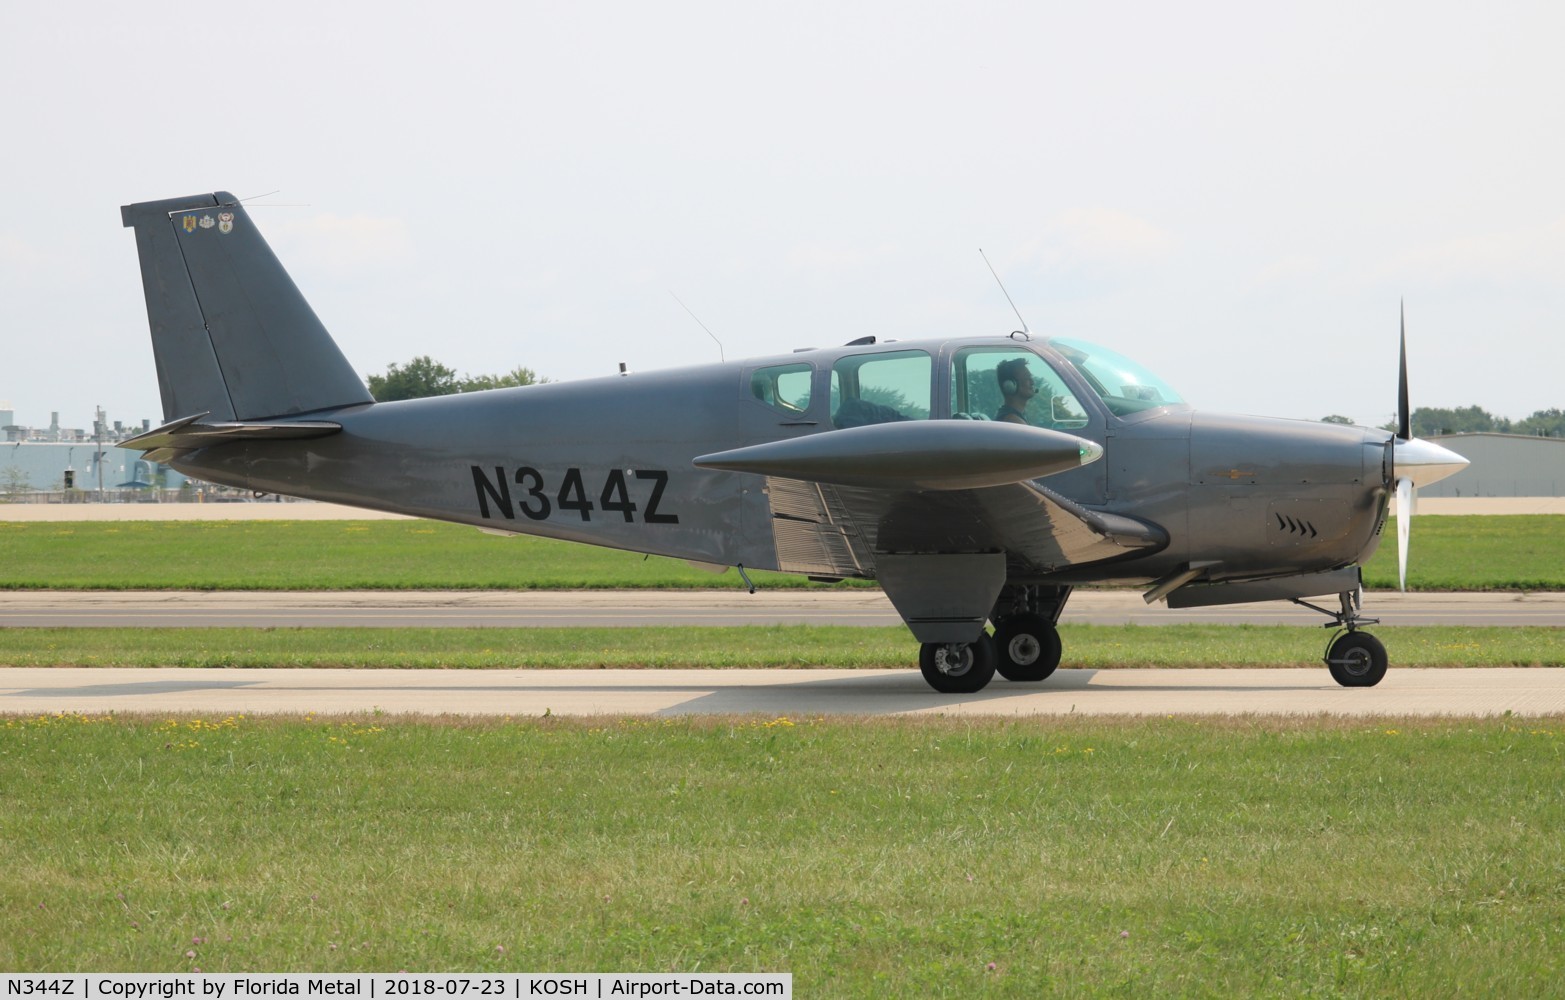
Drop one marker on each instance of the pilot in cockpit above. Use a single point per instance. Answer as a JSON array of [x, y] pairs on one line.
[[1018, 388]]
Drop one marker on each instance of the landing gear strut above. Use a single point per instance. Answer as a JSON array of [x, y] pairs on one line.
[[1355, 659]]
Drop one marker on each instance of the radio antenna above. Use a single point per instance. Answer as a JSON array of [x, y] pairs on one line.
[[1024, 331], [703, 326], [275, 204]]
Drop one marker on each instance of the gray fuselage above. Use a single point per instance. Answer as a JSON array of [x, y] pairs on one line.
[[608, 461]]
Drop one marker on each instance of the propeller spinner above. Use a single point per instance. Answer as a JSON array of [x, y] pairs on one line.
[[1414, 463]]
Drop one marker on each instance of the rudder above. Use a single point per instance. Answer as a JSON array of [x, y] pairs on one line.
[[231, 332]]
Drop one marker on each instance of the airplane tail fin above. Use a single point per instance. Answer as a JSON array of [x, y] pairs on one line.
[[232, 335]]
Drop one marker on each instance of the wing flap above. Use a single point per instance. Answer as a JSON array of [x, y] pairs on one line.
[[1040, 531], [843, 530]]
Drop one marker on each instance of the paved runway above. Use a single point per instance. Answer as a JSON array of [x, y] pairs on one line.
[[521, 609], [794, 693]]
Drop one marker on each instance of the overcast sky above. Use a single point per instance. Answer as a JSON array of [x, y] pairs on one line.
[[1237, 194]]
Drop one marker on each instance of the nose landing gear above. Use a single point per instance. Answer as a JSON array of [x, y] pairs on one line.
[[1355, 659]]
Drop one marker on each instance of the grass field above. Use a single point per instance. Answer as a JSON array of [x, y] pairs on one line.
[[325, 555], [1095, 646], [869, 858], [1448, 553]]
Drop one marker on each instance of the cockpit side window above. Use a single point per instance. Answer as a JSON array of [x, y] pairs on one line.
[[785, 388], [880, 388], [1013, 385]]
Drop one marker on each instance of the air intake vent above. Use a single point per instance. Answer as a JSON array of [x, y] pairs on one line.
[[1296, 526], [1308, 523]]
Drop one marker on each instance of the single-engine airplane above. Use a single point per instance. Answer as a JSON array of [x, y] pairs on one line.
[[978, 479]]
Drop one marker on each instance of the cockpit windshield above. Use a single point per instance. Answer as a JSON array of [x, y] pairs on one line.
[[1124, 385]]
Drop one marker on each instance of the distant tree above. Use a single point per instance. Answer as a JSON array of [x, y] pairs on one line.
[[424, 376], [13, 479], [1431, 420], [1469, 419], [1543, 423], [1337, 418], [510, 380]]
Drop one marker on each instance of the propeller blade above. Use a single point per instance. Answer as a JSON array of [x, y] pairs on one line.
[[1404, 413], [1414, 463], [1405, 495]]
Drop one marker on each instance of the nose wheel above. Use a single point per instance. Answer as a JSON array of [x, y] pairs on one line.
[[1355, 659]]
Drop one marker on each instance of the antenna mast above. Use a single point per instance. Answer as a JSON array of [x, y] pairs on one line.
[[1024, 331], [703, 326]]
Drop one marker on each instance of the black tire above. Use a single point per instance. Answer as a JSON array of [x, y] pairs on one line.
[[1356, 659], [1026, 648], [957, 667]]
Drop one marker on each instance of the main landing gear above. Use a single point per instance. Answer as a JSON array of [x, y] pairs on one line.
[[1026, 636], [957, 667], [1025, 646], [1355, 659]]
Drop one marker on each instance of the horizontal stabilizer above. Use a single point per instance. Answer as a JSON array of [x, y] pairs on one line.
[[915, 455], [189, 433]]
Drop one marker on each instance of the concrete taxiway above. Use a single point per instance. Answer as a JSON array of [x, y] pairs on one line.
[[772, 693], [579, 609]]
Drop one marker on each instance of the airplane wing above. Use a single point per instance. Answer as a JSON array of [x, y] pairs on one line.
[[943, 557], [842, 501]]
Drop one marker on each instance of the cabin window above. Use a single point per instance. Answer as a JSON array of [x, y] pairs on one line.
[[785, 388], [880, 388], [1017, 386]]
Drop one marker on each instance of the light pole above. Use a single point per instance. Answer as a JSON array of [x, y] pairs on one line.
[[97, 455]]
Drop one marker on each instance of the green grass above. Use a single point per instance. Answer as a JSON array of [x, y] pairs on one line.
[[1524, 552], [1448, 553], [326, 555], [868, 858], [1095, 646]]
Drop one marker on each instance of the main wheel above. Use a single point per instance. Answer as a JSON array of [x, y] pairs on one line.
[[957, 667], [1026, 647], [1356, 659]]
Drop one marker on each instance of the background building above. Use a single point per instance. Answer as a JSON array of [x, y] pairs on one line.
[[1503, 465], [38, 460], [41, 467]]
